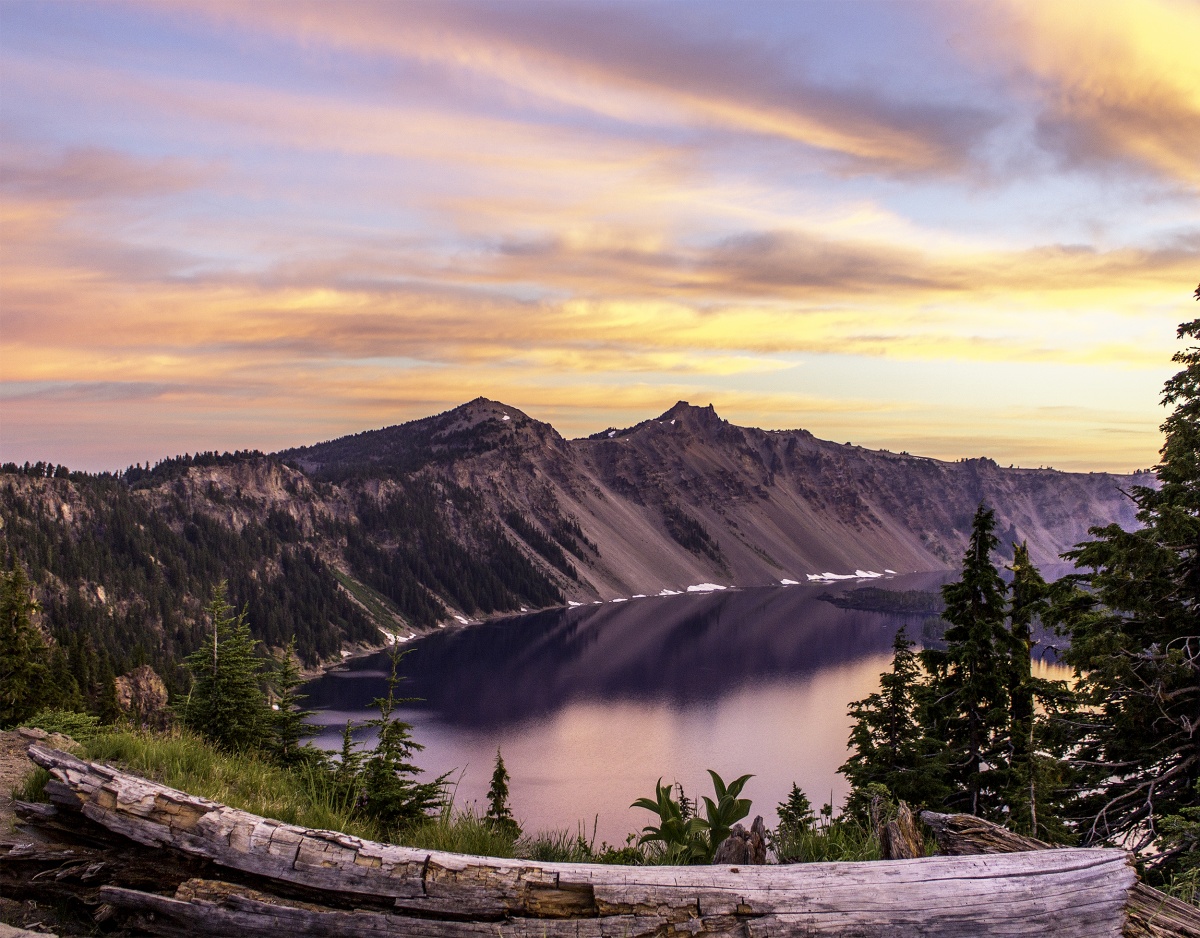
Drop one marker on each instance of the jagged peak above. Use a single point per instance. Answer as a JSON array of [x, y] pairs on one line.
[[691, 413]]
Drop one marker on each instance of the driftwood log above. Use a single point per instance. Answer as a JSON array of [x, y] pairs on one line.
[[1152, 914], [264, 877]]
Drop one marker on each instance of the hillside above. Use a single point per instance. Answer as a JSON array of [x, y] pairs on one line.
[[483, 510], [688, 497]]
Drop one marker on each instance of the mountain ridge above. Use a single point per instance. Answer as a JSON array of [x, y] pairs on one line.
[[482, 510]]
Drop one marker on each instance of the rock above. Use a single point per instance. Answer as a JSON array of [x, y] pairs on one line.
[[142, 696], [742, 847]]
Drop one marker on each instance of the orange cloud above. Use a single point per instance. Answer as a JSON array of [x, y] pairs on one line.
[[1119, 82]]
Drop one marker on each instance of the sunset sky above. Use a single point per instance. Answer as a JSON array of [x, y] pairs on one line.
[[956, 229]]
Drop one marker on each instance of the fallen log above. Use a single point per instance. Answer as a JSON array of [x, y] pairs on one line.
[[309, 882], [1152, 913]]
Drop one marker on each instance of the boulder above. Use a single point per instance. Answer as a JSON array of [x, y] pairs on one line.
[[142, 696]]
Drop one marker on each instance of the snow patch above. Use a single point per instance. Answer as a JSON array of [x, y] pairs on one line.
[[786, 582], [666, 592], [611, 434], [867, 574], [523, 609], [345, 654], [704, 588], [573, 603], [638, 596], [892, 572], [618, 600], [506, 417], [462, 620]]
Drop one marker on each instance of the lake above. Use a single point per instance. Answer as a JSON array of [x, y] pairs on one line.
[[591, 705]]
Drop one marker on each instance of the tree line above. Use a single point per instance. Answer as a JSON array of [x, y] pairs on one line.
[[1112, 757]]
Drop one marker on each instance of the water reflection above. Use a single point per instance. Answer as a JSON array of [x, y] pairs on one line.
[[591, 705]]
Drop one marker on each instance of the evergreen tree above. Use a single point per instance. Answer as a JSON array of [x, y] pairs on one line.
[[968, 694], [289, 728], [1135, 643], [498, 814], [227, 703], [390, 792], [25, 679], [888, 741], [795, 814]]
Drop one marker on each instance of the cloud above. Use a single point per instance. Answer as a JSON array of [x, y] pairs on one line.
[[84, 173], [1118, 84], [637, 67]]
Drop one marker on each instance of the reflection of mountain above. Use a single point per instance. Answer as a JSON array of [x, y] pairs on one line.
[[684, 649]]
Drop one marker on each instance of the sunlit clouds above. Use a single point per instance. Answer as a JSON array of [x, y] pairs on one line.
[[947, 228]]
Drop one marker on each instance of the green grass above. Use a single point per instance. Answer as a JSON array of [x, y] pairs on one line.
[[304, 795], [379, 607]]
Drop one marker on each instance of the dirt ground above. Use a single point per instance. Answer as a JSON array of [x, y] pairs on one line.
[[16, 917]]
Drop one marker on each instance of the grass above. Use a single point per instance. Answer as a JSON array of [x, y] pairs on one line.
[[385, 612], [306, 796]]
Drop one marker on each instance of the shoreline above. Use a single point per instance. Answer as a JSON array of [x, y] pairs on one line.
[[456, 621]]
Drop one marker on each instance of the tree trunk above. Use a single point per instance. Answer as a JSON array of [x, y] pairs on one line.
[[296, 882], [1152, 914]]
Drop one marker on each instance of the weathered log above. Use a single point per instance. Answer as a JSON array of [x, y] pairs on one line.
[[900, 838], [743, 847], [409, 892], [1152, 914]]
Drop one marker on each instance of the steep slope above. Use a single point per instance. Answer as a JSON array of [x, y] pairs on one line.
[[687, 497], [484, 510]]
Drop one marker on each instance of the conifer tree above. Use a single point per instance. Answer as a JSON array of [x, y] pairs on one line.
[[25, 680], [795, 814], [1135, 642], [390, 792], [498, 814], [968, 694], [888, 740], [288, 726], [226, 702]]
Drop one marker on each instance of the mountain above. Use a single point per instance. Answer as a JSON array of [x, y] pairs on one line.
[[688, 497], [483, 509]]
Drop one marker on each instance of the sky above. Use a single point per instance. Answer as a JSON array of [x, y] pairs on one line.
[[954, 229]]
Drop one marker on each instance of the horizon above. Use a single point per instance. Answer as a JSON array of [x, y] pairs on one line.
[[186, 454], [955, 230]]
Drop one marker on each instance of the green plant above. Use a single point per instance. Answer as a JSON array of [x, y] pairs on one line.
[[498, 813], [680, 839], [795, 814], [25, 679], [390, 793], [79, 726], [226, 702], [726, 811]]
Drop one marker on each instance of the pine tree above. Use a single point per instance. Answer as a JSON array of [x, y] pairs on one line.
[[25, 680], [390, 792], [288, 719], [795, 814], [968, 692], [498, 814], [888, 741], [1135, 643], [226, 702]]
